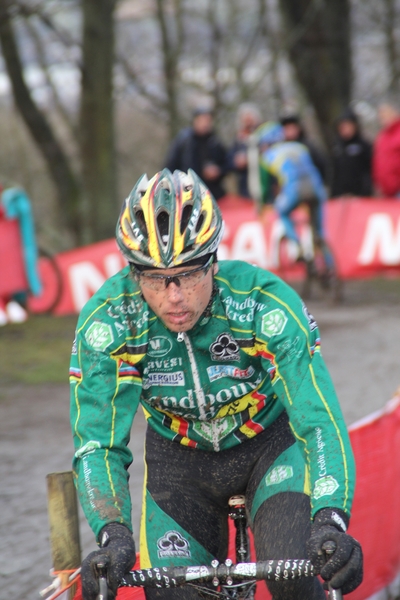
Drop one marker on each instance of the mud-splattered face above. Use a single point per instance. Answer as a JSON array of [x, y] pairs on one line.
[[178, 307]]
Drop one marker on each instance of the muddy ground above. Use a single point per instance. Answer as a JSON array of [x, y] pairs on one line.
[[361, 346]]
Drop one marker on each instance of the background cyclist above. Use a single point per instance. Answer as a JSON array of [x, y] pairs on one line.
[[290, 177], [225, 360]]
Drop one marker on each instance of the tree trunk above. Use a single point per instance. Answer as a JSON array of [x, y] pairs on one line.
[[319, 48], [67, 186], [97, 122]]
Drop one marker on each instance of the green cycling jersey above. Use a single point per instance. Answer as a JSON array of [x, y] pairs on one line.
[[254, 353]]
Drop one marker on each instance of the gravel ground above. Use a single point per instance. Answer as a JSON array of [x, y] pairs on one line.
[[361, 346]]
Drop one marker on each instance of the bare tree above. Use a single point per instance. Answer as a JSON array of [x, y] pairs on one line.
[[67, 184], [86, 188], [318, 43], [97, 149]]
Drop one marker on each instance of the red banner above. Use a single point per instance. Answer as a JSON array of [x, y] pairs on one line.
[[364, 235], [12, 272]]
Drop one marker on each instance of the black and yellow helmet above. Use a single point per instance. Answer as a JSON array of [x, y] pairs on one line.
[[168, 221]]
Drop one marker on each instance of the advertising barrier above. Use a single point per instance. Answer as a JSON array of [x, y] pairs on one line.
[[364, 235]]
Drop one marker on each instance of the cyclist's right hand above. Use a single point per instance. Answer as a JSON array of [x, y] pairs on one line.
[[117, 552], [343, 567]]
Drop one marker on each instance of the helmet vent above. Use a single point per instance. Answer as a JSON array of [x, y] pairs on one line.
[[186, 214], [199, 223], [187, 249], [163, 226], [141, 222]]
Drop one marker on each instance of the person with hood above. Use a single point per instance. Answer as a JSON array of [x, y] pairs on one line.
[[352, 159]]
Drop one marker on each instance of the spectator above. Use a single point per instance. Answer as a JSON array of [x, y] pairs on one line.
[[248, 119], [352, 159], [386, 149], [294, 132], [199, 148]]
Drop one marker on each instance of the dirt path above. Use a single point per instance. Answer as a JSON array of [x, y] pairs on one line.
[[360, 343]]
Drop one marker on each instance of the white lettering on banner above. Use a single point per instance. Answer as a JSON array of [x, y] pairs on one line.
[[85, 278], [249, 244], [113, 263], [381, 240]]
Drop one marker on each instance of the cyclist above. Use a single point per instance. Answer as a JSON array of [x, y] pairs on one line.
[[292, 177], [225, 360]]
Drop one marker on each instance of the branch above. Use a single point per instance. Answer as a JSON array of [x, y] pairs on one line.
[[43, 64]]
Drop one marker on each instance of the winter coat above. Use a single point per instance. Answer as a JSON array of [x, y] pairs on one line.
[[352, 167], [386, 160]]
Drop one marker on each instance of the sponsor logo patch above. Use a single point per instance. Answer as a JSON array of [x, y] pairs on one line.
[[225, 347], [88, 448], [325, 486], [173, 379], [173, 544], [213, 431], [159, 346], [273, 322], [99, 335], [279, 474], [218, 371]]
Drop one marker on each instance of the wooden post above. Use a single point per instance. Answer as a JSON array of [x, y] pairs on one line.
[[64, 523]]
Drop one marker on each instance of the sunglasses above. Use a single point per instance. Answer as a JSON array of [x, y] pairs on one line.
[[184, 280]]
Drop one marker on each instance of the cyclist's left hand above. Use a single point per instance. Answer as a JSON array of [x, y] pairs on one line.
[[117, 552], [344, 567]]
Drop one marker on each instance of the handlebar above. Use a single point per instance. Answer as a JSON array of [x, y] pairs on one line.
[[225, 574]]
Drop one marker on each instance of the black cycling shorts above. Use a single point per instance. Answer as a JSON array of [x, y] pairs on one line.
[[185, 508]]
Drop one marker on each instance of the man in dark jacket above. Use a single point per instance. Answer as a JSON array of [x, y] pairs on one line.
[[352, 156], [199, 148]]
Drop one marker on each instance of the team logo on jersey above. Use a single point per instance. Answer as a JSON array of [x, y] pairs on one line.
[[159, 346], [99, 335], [279, 474], [215, 430], [312, 323], [173, 544], [225, 347], [273, 322], [217, 371], [325, 486]]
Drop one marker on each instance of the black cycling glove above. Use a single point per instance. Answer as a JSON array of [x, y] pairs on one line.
[[117, 549], [344, 567]]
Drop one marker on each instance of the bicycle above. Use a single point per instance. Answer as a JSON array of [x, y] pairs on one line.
[[229, 581], [315, 264]]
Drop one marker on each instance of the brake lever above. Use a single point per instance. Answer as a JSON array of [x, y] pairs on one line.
[[101, 568], [329, 548]]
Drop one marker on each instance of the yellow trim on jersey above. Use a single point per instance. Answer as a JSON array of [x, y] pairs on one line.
[[110, 480], [307, 484], [324, 402], [104, 304], [145, 562]]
